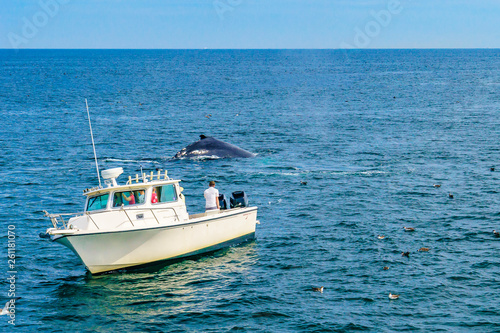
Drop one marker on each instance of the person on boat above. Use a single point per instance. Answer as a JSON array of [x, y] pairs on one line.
[[130, 199], [140, 196], [154, 196], [211, 195]]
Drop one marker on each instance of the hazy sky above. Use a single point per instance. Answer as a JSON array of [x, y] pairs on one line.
[[187, 24]]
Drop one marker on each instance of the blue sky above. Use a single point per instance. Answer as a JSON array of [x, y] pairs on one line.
[[242, 24]]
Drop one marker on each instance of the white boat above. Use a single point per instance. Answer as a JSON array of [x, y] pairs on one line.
[[126, 226]]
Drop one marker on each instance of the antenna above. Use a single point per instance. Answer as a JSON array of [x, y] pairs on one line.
[[142, 174], [93, 145]]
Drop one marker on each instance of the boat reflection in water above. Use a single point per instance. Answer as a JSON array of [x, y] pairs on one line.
[[144, 296]]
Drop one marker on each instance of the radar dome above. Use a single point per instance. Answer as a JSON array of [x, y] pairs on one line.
[[111, 173]]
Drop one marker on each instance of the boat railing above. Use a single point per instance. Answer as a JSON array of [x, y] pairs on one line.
[[59, 220], [144, 177]]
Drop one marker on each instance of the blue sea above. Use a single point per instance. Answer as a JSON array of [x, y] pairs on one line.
[[349, 146]]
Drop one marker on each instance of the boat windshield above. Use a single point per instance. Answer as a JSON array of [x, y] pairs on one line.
[[97, 202]]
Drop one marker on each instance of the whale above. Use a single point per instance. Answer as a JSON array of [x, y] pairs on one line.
[[211, 148]]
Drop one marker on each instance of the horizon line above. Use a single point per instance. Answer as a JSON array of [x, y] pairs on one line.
[[250, 49]]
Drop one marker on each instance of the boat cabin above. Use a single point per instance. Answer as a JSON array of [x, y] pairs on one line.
[[146, 201], [137, 195]]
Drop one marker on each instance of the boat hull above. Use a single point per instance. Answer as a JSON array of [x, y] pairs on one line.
[[112, 250]]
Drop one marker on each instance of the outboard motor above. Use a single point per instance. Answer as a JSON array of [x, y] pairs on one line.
[[239, 199], [223, 202]]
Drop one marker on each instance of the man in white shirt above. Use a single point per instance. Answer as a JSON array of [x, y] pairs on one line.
[[211, 196]]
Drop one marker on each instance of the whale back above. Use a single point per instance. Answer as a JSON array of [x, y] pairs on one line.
[[210, 147]]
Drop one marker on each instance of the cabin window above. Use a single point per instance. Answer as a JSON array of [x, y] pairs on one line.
[[128, 198], [98, 202], [164, 193]]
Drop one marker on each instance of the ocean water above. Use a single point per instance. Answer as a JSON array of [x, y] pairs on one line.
[[370, 131]]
